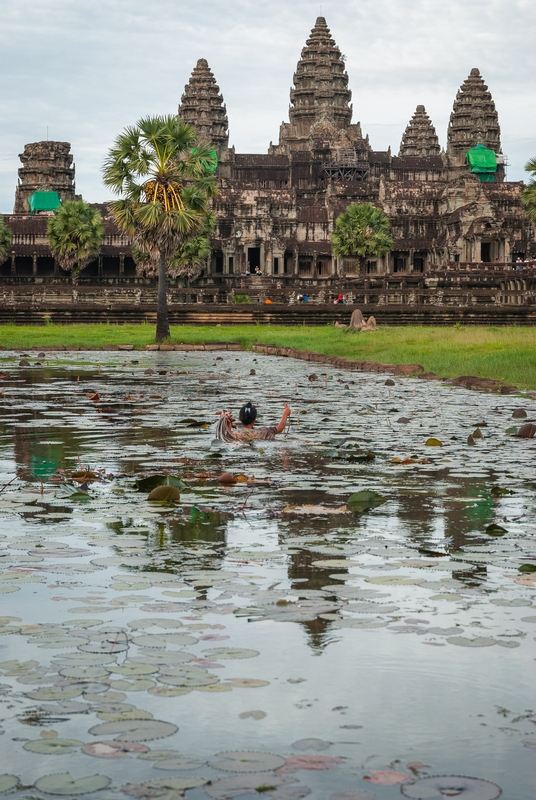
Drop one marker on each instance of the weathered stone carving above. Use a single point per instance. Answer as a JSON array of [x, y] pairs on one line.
[[203, 108], [46, 167], [420, 138], [474, 119]]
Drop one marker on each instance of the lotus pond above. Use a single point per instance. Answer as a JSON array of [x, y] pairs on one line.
[[345, 613]]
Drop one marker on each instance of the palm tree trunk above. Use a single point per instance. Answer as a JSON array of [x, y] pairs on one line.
[[162, 320]]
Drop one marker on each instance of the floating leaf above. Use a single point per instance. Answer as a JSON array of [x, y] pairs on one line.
[[451, 786], [311, 744], [365, 500], [168, 788], [386, 777], [236, 785], [63, 783], [247, 761], [527, 568], [8, 782], [495, 530], [252, 714], [230, 652], [55, 747], [147, 484], [295, 763], [135, 731], [113, 749], [478, 641], [246, 683], [432, 442], [165, 494]]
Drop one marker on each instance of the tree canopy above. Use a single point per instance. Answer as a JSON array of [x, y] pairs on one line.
[[361, 231], [5, 240], [165, 180], [529, 195], [75, 234]]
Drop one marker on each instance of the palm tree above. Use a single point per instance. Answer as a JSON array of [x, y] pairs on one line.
[[529, 195], [166, 184], [5, 240], [361, 231], [75, 234]]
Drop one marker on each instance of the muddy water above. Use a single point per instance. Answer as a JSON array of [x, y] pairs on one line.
[[263, 637]]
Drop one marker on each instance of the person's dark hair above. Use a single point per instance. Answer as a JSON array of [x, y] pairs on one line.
[[248, 413]]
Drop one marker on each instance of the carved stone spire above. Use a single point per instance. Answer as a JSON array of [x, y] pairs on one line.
[[46, 167], [320, 98], [320, 90], [474, 119], [420, 138], [202, 107]]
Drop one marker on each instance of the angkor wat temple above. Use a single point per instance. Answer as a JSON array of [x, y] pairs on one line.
[[457, 228]]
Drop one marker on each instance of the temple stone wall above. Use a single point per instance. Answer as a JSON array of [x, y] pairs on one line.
[[46, 167]]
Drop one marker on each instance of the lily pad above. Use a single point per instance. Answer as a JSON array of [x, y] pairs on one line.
[[478, 641], [365, 500], [451, 786], [135, 731], [247, 761], [153, 481], [53, 747], [495, 530], [236, 785], [8, 782], [165, 494], [433, 442], [113, 749], [63, 783], [230, 653]]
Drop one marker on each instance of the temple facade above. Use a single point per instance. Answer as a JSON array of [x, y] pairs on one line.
[[276, 211]]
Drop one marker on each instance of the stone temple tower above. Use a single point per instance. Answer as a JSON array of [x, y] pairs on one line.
[[320, 98], [46, 167], [474, 120], [420, 138], [203, 108]]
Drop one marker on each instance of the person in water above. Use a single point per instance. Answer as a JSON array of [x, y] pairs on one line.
[[225, 429]]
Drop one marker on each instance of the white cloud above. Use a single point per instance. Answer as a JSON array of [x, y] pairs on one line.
[[88, 70]]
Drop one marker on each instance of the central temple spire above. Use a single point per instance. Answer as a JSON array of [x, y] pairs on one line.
[[320, 90], [320, 98]]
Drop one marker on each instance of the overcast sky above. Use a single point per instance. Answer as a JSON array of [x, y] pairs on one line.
[[86, 70]]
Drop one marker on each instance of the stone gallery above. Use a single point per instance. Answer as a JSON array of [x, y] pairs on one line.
[[457, 224]]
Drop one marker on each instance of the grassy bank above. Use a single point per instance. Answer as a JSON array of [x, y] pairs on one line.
[[506, 354]]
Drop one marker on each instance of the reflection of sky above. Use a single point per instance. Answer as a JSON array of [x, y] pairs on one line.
[[436, 704]]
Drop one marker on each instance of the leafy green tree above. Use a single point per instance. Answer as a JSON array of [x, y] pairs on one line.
[[5, 240], [529, 195], [166, 183], [361, 231], [75, 234], [188, 261]]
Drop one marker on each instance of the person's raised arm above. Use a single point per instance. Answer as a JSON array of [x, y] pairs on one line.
[[283, 421]]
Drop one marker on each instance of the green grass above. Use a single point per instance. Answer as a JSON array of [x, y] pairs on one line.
[[506, 354]]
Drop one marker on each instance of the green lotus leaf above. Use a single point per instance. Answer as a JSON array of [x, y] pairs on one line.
[[365, 500], [63, 783], [56, 747]]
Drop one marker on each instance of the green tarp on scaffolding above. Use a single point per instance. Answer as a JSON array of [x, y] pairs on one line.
[[482, 162], [44, 201]]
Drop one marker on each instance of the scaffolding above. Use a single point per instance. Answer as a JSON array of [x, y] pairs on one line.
[[345, 165]]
